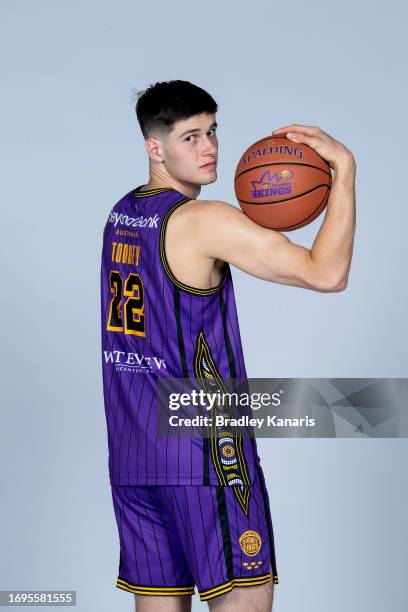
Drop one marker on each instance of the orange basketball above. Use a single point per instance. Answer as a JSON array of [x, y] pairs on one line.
[[282, 184]]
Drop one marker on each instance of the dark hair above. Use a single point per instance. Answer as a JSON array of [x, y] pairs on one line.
[[160, 105]]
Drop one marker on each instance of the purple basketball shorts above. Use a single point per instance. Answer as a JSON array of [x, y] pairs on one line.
[[175, 537]]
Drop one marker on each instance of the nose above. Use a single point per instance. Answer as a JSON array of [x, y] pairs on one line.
[[210, 146]]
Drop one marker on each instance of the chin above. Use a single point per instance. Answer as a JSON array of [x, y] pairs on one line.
[[211, 179]]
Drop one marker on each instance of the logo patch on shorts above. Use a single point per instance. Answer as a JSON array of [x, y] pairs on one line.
[[250, 542]]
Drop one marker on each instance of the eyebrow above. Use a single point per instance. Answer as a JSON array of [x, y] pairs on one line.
[[213, 125]]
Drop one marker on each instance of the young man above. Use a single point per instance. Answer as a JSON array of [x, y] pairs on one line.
[[190, 512]]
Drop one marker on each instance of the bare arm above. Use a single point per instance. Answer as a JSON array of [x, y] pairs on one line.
[[222, 231], [332, 248]]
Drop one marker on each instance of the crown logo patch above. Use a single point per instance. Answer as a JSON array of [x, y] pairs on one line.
[[250, 542]]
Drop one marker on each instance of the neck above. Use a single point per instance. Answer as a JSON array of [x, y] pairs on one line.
[[155, 182]]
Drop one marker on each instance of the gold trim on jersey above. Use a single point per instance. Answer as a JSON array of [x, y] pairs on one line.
[[228, 586], [141, 590], [231, 468], [165, 263], [151, 192]]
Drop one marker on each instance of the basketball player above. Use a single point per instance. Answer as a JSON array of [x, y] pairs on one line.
[[191, 513]]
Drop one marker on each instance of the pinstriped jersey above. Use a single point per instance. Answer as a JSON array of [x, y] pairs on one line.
[[155, 326]]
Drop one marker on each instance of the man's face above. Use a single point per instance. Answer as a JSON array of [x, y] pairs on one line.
[[189, 149]]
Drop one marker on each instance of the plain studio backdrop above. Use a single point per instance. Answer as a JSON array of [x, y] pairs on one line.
[[71, 148]]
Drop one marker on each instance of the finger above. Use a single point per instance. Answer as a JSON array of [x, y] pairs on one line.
[[312, 141], [297, 127]]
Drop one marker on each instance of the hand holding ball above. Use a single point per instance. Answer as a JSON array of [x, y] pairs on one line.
[[281, 184]]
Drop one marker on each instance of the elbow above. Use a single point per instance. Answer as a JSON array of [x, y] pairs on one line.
[[340, 286], [328, 283], [334, 285], [327, 279]]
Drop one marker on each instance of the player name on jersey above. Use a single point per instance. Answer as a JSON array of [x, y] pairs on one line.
[[125, 253]]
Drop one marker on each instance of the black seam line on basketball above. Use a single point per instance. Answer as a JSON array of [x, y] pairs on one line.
[[289, 227], [225, 531], [282, 229], [285, 199], [180, 339], [282, 163], [161, 588], [187, 288]]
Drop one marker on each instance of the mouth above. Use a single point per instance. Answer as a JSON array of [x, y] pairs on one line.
[[210, 166]]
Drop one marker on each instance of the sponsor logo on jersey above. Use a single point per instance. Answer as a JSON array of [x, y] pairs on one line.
[[134, 362], [141, 221], [128, 233], [250, 542]]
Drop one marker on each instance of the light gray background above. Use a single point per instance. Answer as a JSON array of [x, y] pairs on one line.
[[70, 148]]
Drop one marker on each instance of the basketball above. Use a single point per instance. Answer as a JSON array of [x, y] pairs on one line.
[[282, 184]]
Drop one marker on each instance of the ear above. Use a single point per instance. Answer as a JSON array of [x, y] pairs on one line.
[[154, 149]]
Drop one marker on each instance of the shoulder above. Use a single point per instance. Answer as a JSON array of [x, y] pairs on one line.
[[208, 221], [197, 211]]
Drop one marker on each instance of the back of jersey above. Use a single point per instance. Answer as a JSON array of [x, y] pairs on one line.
[[154, 326]]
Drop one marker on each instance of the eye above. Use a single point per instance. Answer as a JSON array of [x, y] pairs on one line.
[[188, 138]]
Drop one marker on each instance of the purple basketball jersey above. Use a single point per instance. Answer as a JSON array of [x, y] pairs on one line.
[[154, 326]]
